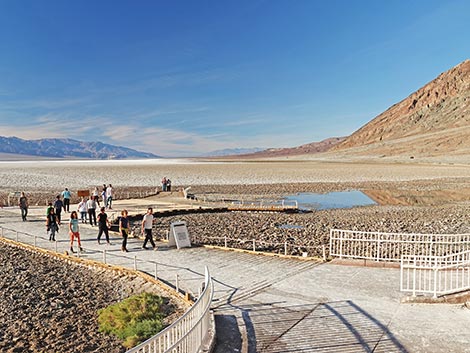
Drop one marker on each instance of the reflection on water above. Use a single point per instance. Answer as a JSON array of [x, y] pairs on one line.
[[341, 199]]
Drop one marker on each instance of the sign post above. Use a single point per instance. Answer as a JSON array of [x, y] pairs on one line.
[[179, 235]]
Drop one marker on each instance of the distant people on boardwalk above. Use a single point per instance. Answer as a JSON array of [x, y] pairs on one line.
[[164, 181], [168, 185], [103, 225], [52, 224], [103, 194], [147, 224], [109, 196], [91, 206], [74, 231], [96, 196], [66, 195], [124, 229], [23, 204], [83, 209], [58, 205]]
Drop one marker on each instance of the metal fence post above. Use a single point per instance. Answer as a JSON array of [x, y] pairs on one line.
[[378, 247], [285, 248], [177, 283], [323, 249], [435, 278], [254, 245], [225, 240], [104, 256], [135, 263]]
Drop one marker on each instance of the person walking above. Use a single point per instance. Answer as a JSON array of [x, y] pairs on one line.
[[96, 196], [147, 224], [23, 204], [164, 184], [109, 196], [66, 194], [83, 210], [58, 204], [124, 229], [51, 224], [74, 231], [91, 206], [103, 225], [168, 185]]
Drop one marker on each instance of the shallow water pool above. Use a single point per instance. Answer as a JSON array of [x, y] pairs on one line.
[[331, 200]]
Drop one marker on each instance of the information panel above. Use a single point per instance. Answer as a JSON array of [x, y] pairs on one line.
[[179, 235]]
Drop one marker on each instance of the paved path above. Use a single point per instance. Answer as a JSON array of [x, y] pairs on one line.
[[268, 304]]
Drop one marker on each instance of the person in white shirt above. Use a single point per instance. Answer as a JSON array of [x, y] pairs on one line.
[[147, 224], [91, 206], [83, 210], [109, 196]]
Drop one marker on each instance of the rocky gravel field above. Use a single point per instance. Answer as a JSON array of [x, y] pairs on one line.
[[47, 305], [307, 232]]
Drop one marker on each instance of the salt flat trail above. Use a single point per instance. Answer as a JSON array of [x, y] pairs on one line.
[[270, 304]]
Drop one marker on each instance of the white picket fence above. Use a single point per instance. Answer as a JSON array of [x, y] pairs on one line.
[[430, 264], [381, 246], [435, 275]]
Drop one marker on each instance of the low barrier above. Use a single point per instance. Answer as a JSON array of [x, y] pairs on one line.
[[186, 335], [380, 246], [255, 245], [435, 275], [241, 204]]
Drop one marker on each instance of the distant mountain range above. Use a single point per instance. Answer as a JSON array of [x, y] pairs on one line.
[[68, 148], [309, 148], [232, 152]]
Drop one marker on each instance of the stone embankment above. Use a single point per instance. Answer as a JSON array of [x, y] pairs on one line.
[[48, 305]]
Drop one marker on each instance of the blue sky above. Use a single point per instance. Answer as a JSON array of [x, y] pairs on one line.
[[181, 78]]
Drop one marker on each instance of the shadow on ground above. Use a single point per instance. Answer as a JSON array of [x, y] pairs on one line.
[[323, 327]]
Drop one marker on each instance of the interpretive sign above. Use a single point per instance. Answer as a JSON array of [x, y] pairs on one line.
[[179, 235], [83, 193]]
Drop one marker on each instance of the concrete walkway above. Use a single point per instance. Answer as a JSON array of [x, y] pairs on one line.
[[269, 304]]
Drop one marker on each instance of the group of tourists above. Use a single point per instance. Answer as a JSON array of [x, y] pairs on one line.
[[88, 206], [166, 184]]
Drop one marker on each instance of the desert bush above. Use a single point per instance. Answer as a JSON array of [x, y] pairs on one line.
[[134, 319]]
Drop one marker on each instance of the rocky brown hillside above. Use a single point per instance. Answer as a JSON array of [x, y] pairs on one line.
[[435, 120], [309, 148]]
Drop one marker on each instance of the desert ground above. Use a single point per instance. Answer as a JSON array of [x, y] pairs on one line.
[[410, 197]]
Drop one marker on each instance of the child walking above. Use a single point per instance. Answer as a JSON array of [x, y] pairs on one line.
[[74, 231]]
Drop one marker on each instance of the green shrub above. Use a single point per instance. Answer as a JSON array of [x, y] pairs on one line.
[[133, 320]]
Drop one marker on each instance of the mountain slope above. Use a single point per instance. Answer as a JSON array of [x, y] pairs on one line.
[[309, 148], [435, 120], [60, 148]]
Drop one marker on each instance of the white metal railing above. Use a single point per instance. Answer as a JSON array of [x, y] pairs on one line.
[[189, 332], [247, 203], [380, 246], [185, 335], [436, 275], [281, 248]]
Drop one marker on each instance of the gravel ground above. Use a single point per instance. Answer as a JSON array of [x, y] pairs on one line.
[[47, 305], [210, 228]]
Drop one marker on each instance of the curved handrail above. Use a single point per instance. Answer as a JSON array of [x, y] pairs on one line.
[[189, 332]]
